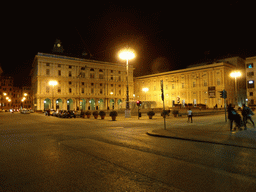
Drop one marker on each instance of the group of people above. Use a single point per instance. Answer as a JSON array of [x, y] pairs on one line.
[[234, 116]]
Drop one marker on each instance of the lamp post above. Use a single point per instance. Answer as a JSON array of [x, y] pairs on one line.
[[145, 90], [53, 83], [126, 55], [235, 74]]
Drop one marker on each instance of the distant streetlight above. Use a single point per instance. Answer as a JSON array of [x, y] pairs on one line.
[[235, 74], [127, 54], [53, 83]]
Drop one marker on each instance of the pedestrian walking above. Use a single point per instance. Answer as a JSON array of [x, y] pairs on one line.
[[247, 113], [190, 115], [234, 116]]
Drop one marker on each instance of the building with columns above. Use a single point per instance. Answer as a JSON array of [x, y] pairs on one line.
[[82, 84], [198, 84]]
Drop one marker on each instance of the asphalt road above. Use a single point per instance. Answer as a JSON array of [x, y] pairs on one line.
[[41, 153]]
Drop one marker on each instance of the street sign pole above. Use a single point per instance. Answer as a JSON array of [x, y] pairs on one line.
[[138, 112], [225, 104], [223, 94], [162, 90]]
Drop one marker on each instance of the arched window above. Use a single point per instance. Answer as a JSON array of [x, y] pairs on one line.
[[100, 70], [91, 69]]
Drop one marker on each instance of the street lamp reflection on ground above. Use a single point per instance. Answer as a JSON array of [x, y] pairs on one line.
[[235, 74], [127, 54], [53, 83]]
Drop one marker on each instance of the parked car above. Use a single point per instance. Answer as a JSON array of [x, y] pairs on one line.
[[49, 112], [59, 112], [24, 111], [55, 113], [71, 114], [64, 114]]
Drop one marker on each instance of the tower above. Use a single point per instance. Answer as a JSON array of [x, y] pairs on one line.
[[57, 48]]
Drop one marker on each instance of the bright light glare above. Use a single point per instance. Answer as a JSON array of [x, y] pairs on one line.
[[53, 83], [235, 74], [126, 54], [145, 89], [25, 94]]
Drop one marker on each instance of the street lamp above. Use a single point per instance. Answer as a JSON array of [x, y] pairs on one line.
[[235, 74], [145, 89], [53, 83], [127, 54]]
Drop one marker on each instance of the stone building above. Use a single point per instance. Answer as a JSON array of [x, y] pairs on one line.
[[198, 84], [250, 66], [82, 84], [12, 97]]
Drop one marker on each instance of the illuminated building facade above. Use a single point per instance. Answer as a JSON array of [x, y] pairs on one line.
[[250, 66], [198, 84], [82, 84]]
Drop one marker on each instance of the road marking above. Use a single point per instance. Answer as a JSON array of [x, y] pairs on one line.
[[115, 127]]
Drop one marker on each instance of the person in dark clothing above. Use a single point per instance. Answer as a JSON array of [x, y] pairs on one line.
[[234, 116], [247, 113], [230, 116]]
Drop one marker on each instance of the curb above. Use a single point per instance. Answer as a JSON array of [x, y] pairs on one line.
[[197, 140]]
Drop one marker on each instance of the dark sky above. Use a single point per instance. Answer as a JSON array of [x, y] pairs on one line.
[[165, 35]]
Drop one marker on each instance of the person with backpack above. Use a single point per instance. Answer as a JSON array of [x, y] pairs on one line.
[[247, 113]]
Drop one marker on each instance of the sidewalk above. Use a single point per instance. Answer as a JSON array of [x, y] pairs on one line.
[[217, 133]]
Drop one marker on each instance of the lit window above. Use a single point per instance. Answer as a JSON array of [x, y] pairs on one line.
[[250, 84], [250, 65]]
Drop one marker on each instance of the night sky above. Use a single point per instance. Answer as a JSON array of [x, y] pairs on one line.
[[165, 35]]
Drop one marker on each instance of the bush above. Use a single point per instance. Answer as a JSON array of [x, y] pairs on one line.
[[95, 113], [88, 113], [175, 112], [151, 113], [113, 113], [165, 112], [102, 113]]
